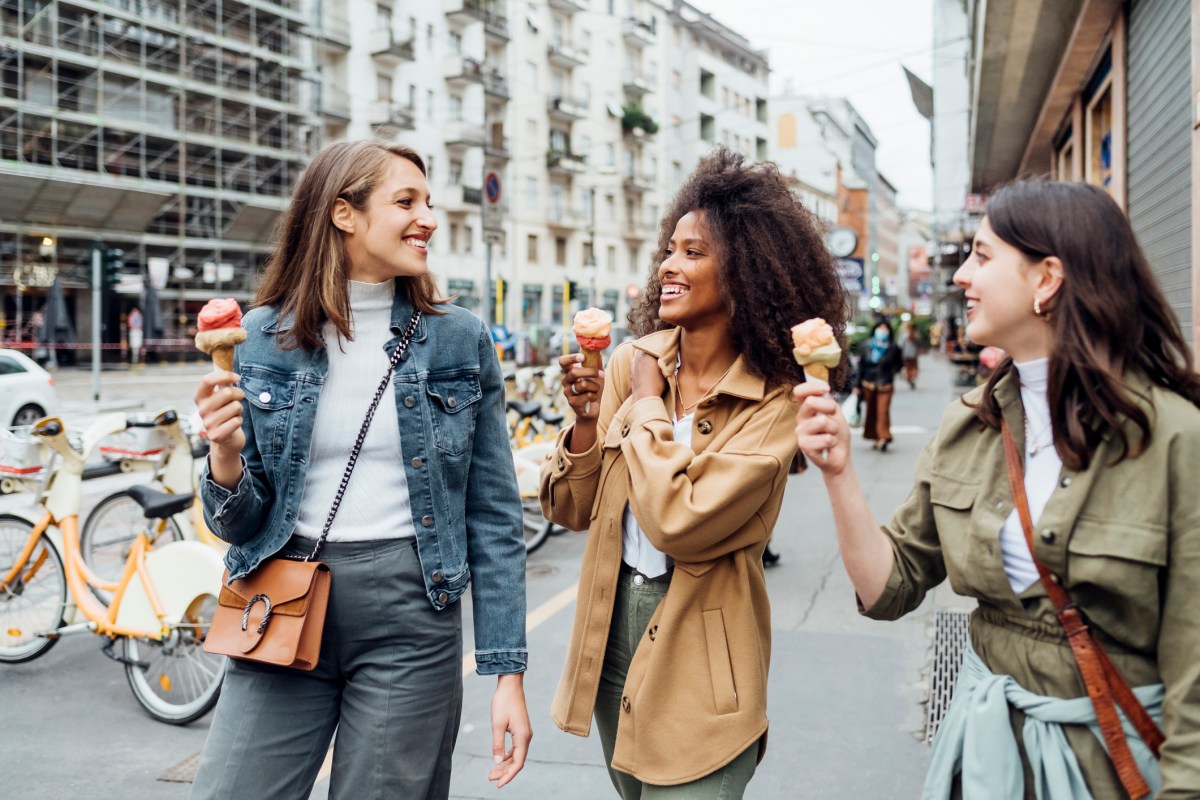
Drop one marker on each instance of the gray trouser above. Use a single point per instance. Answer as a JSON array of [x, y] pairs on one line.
[[388, 680], [635, 604]]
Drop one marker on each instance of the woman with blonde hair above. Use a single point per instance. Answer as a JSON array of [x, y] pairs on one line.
[[1061, 496], [347, 308]]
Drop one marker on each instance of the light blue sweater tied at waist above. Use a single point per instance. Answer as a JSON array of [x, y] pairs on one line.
[[975, 738]]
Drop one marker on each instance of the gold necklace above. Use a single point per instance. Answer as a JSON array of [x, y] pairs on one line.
[[688, 408]]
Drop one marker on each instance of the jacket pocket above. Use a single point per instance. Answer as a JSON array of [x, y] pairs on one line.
[[1114, 572], [952, 493], [270, 397], [455, 401], [720, 669]]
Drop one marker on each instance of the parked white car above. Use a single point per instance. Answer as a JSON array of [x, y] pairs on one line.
[[26, 390]]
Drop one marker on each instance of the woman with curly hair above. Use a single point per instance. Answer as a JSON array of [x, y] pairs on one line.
[[676, 466]]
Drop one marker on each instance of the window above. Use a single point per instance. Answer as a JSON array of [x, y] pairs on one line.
[[585, 202], [708, 128], [531, 76], [556, 302], [456, 43], [633, 259], [453, 237], [610, 208], [588, 255], [610, 258], [465, 289], [429, 105], [610, 155], [412, 96], [531, 192], [1064, 159], [676, 172], [1098, 124], [383, 17], [584, 148], [560, 251], [383, 87], [429, 38], [585, 94], [10, 367], [455, 176], [468, 238], [456, 106], [531, 304], [531, 248], [708, 84]]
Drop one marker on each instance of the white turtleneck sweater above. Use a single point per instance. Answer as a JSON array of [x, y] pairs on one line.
[[1041, 473], [376, 503]]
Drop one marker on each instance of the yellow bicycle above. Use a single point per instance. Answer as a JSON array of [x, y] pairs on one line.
[[161, 605]]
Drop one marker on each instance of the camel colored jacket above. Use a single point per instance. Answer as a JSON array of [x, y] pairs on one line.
[[696, 694]]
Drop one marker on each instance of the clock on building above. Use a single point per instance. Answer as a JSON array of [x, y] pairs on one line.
[[841, 242]]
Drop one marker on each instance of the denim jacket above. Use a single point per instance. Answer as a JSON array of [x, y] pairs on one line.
[[455, 450]]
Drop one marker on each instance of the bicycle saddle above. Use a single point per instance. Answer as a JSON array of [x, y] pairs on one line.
[[528, 408], [160, 505], [552, 417]]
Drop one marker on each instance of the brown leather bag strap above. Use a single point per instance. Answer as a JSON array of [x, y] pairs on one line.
[[1101, 678]]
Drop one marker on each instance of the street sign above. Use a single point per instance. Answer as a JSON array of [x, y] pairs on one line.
[[850, 268], [493, 209], [491, 186]]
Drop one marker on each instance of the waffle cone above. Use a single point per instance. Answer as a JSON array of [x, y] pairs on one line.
[[222, 358], [592, 359], [818, 372]]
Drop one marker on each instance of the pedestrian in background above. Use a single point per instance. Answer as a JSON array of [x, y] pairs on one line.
[[910, 350], [878, 364], [133, 333], [431, 507], [1099, 400], [676, 467]]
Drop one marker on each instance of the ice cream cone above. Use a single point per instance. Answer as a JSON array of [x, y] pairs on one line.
[[222, 358], [817, 372], [592, 359]]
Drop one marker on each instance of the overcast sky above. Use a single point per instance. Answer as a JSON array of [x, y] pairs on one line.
[[852, 49]]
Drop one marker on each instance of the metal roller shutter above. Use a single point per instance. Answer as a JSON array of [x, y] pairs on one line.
[[1160, 144]]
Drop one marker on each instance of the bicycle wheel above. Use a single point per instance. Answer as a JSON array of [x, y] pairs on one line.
[[110, 530], [34, 601], [537, 527], [176, 681]]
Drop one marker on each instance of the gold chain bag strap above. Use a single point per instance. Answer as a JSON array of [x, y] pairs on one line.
[[276, 614], [1104, 684]]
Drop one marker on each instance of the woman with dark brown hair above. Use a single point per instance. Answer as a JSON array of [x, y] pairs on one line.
[[676, 467], [876, 380], [348, 309], [1061, 495]]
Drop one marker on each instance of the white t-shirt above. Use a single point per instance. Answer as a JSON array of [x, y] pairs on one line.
[[636, 549], [1041, 473]]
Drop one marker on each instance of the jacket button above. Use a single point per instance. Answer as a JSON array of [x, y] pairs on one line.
[[709, 403], [264, 397], [652, 632], [624, 430], [625, 706], [561, 463], [1065, 482], [410, 401], [1048, 537], [704, 426], [437, 576], [452, 403], [427, 521], [443, 598], [417, 463]]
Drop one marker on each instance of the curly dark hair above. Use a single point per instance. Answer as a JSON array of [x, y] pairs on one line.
[[773, 266]]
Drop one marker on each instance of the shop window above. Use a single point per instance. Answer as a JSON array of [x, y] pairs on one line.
[[1065, 156]]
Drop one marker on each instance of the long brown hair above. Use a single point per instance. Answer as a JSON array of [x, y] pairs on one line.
[[306, 275], [772, 263], [1109, 317]]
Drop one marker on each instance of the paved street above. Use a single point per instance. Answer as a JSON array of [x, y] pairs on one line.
[[846, 693]]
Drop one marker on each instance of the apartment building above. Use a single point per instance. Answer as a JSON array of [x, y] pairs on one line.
[[173, 131]]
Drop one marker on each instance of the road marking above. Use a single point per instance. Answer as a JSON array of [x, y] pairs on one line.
[[533, 620]]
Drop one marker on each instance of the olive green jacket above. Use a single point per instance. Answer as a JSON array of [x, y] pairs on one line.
[[696, 693], [1124, 540]]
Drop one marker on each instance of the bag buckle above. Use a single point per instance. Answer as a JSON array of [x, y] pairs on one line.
[[262, 626]]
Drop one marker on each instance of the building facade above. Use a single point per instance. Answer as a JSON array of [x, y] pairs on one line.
[[172, 131]]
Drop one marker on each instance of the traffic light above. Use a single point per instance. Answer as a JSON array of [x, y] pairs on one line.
[[572, 289], [112, 264]]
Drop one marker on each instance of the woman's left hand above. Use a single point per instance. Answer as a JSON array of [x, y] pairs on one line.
[[647, 380], [509, 716]]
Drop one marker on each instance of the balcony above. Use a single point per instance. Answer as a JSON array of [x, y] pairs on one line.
[[387, 45], [457, 198], [638, 182], [391, 113], [333, 32], [639, 33], [638, 136], [335, 103], [495, 84], [461, 71], [637, 85], [565, 55], [464, 12], [569, 6], [460, 134], [564, 162], [495, 25], [566, 108], [497, 148], [565, 218]]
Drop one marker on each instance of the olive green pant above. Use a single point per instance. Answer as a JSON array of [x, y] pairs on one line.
[[635, 604]]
